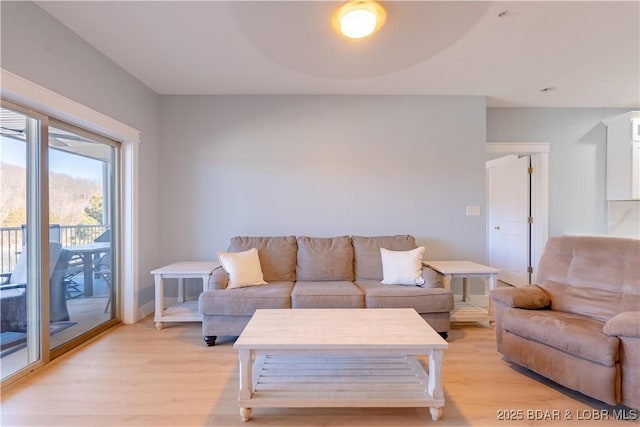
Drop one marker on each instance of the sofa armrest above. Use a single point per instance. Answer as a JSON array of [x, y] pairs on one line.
[[625, 324], [529, 297], [431, 278], [219, 279]]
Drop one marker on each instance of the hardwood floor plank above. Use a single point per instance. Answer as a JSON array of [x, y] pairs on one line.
[[136, 375]]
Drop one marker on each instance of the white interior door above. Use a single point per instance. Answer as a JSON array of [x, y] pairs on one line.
[[508, 191]]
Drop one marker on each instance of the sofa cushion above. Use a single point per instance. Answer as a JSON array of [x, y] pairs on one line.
[[422, 300], [366, 253], [570, 333], [324, 259], [243, 268], [245, 301], [402, 267], [597, 303], [334, 294], [277, 255]]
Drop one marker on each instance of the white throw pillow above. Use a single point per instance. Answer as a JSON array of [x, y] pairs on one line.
[[243, 267], [402, 267]]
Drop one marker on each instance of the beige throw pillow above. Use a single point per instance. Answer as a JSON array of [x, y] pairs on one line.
[[402, 267], [243, 268]]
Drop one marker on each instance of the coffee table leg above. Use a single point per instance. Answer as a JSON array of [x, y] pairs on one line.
[[436, 413], [244, 357], [435, 381], [245, 414]]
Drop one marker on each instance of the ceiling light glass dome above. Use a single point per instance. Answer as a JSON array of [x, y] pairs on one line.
[[359, 19]]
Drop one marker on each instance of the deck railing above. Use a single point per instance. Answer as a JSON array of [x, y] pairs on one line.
[[11, 241]]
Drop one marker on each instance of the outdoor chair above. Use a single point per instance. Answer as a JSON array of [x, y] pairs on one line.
[[54, 233], [102, 267], [102, 270], [13, 300], [75, 267], [104, 237]]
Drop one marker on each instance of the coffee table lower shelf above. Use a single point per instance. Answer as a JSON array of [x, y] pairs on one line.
[[339, 381]]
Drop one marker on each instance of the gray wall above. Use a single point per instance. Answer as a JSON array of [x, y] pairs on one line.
[[577, 162], [321, 166], [41, 49]]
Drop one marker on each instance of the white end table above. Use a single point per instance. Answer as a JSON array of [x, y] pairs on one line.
[[183, 311], [464, 311]]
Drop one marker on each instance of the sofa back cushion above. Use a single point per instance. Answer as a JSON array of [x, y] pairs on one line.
[[597, 277], [595, 303], [277, 255], [324, 259], [366, 253]]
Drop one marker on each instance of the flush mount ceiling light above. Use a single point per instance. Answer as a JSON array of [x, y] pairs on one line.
[[358, 19]]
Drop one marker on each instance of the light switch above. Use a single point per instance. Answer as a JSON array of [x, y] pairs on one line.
[[473, 210]]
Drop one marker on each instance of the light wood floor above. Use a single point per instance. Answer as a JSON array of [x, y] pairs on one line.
[[135, 375]]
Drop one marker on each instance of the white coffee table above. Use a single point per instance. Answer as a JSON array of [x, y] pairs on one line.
[[183, 311], [339, 358], [463, 311]]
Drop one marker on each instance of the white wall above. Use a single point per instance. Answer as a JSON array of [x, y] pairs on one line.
[[321, 166], [577, 162], [42, 50]]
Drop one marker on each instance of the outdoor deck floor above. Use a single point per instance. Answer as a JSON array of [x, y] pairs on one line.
[[85, 313]]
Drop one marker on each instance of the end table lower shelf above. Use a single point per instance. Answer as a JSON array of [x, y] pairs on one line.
[[464, 311]]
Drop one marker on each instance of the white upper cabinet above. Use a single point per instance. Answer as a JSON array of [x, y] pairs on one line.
[[623, 156]]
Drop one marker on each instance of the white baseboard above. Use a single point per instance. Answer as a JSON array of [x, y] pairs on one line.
[[146, 310]]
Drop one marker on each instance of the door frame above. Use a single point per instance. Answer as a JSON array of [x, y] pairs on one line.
[[539, 152]]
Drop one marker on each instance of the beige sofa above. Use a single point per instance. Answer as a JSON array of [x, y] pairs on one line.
[[580, 324], [309, 272]]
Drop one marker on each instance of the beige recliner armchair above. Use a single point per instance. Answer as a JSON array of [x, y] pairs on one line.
[[579, 325]]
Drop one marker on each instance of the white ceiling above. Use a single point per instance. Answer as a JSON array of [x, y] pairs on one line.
[[589, 52]]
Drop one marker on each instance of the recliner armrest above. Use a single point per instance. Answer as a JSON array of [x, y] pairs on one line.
[[625, 324], [529, 297], [219, 279]]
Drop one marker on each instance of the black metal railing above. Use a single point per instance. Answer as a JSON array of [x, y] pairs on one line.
[[11, 241]]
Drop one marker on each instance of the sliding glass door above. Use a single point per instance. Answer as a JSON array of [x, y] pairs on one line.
[[81, 211], [58, 236]]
